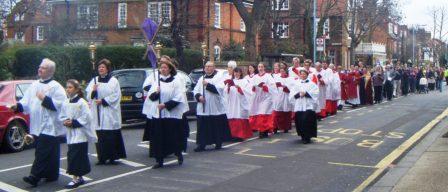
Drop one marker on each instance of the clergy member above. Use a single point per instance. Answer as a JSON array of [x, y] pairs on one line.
[[213, 127], [42, 101], [304, 95], [104, 97]]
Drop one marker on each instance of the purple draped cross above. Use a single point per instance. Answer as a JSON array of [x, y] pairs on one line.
[[150, 29]]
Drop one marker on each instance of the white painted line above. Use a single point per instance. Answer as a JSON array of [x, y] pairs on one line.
[[23, 166], [191, 140], [369, 111], [193, 132], [143, 142], [237, 143], [348, 117], [64, 173], [360, 114], [355, 110], [9, 188], [126, 162], [333, 122], [115, 177]]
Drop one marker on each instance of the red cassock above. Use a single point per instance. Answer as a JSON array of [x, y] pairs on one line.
[[344, 86], [352, 91]]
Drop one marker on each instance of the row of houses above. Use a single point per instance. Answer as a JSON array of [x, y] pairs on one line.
[[116, 22]]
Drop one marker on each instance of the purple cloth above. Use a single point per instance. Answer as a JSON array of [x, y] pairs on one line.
[[150, 28]]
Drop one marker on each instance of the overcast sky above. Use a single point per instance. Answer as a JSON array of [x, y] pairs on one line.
[[418, 12]]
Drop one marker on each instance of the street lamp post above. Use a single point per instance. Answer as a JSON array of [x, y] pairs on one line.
[[314, 30]]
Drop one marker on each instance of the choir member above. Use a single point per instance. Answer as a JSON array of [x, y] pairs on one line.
[[252, 70], [377, 81], [304, 96], [275, 70], [237, 92], [263, 86], [104, 97], [294, 70], [167, 106], [42, 101], [213, 127], [282, 106], [343, 76], [322, 82], [147, 84], [333, 91], [352, 81], [76, 117]]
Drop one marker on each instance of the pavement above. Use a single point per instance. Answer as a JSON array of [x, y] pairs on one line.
[[354, 149], [424, 168]]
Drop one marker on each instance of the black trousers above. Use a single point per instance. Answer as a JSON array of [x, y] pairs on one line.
[[446, 79], [389, 90], [378, 93]]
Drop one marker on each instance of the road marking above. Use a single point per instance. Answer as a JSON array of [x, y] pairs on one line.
[[126, 162], [379, 108], [369, 111], [351, 165], [191, 140], [9, 188], [193, 132], [243, 152], [360, 114], [333, 122], [23, 166], [115, 177], [348, 117], [399, 151], [355, 110], [64, 173], [237, 143], [275, 141]]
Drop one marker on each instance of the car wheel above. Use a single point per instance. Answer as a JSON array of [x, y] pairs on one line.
[[14, 141]]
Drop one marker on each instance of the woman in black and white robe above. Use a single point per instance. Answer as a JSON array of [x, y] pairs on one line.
[[77, 118], [304, 96], [166, 107], [105, 95]]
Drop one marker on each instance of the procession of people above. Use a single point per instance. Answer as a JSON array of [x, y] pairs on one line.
[[230, 107]]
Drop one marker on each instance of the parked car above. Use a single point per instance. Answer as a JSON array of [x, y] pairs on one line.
[[13, 126], [132, 96]]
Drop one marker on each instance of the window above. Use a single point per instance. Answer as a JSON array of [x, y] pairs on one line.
[[48, 8], [39, 33], [217, 15], [20, 90], [281, 5], [217, 52], [122, 15], [19, 17], [20, 36], [87, 17], [326, 27], [159, 10], [281, 30], [242, 25]]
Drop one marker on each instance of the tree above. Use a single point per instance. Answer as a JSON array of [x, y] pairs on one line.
[[14, 12], [253, 20], [364, 16]]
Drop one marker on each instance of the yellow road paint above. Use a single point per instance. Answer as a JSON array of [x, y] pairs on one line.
[[389, 159], [243, 152], [351, 165]]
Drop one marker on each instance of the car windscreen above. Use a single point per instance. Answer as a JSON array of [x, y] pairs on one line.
[[195, 75], [130, 79]]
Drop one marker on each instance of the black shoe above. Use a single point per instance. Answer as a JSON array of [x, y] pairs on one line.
[[445, 135], [275, 131], [75, 183], [286, 131], [101, 163], [199, 149], [218, 146], [263, 135], [33, 181], [113, 162]]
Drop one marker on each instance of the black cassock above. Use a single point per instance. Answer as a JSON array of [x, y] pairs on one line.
[[110, 145], [78, 159], [47, 155], [212, 129], [167, 137], [306, 124]]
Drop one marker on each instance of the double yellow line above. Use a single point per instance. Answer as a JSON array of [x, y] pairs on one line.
[[400, 150]]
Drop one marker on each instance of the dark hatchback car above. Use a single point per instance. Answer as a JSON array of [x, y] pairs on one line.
[[132, 97]]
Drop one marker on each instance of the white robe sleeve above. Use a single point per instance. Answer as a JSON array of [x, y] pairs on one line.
[[114, 98]]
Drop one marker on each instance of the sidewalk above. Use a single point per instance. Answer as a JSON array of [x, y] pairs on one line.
[[424, 168]]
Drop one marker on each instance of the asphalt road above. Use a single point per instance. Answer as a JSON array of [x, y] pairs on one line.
[[341, 158]]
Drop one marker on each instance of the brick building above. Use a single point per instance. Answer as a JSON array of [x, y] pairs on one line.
[[286, 30], [116, 22]]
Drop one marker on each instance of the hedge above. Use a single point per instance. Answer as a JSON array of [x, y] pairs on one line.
[[74, 62]]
